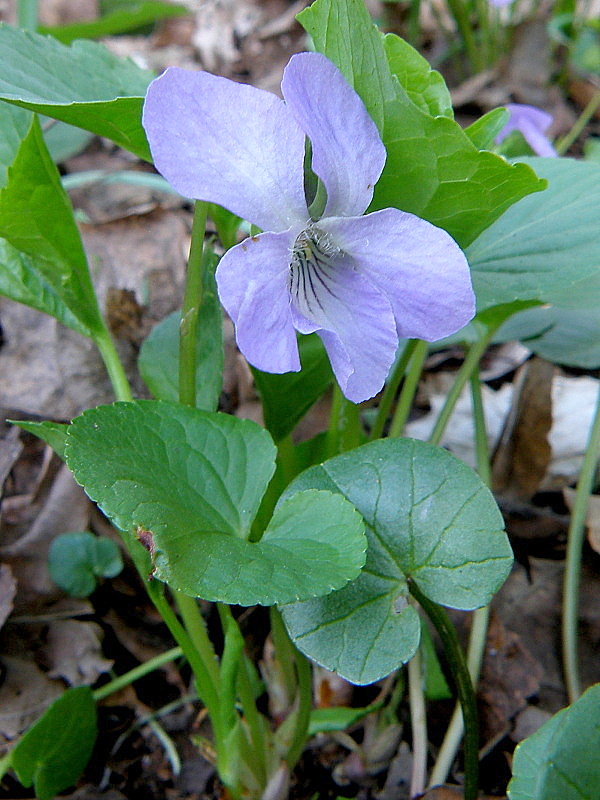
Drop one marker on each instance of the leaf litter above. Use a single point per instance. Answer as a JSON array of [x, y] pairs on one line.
[[137, 242]]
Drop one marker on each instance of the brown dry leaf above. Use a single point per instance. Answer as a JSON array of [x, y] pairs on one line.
[[10, 450], [509, 676], [592, 518], [66, 12], [522, 457], [65, 508], [530, 605], [8, 589], [73, 652], [24, 694]]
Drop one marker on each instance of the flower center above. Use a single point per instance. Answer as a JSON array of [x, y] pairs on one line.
[[312, 271]]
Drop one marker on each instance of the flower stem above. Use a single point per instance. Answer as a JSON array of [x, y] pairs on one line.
[[206, 688], [284, 650], [192, 299], [468, 367], [196, 628], [136, 673], [253, 720], [114, 367], [461, 15], [418, 722], [588, 112], [573, 559], [409, 388], [390, 390], [303, 712], [344, 424], [463, 684], [480, 618]]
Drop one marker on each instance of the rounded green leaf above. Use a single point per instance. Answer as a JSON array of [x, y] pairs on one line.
[[76, 560], [560, 760], [54, 751], [546, 247], [314, 543], [192, 482], [429, 519]]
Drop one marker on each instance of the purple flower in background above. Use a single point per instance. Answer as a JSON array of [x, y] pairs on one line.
[[500, 3], [360, 282], [533, 123]]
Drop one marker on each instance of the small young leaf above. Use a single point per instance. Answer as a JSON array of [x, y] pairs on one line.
[[560, 760], [546, 247], [76, 560], [159, 355], [286, 398], [193, 481], [483, 131], [54, 752], [53, 433], [36, 218], [425, 86], [84, 85], [432, 168], [430, 520]]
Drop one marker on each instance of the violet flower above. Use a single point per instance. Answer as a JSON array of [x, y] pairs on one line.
[[360, 282], [533, 123]]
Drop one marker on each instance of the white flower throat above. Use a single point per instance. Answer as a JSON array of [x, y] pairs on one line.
[[313, 271]]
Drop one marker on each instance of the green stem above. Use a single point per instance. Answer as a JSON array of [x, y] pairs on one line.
[[192, 298], [463, 684], [391, 387], [300, 734], [284, 650], [207, 691], [344, 424], [480, 618], [468, 367], [113, 365], [136, 673], [588, 112], [409, 388], [254, 721], [573, 559], [482, 452], [194, 624], [461, 15], [418, 724], [27, 14]]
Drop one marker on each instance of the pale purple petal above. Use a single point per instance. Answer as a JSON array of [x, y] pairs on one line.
[[348, 154], [500, 3], [533, 123], [357, 326], [228, 143], [419, 267], [252, 279]]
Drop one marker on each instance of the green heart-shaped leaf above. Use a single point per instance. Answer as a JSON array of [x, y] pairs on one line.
[[53, 753], [192, 481], [430, 520], [546, 247], [84, 85], [560, 760]]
